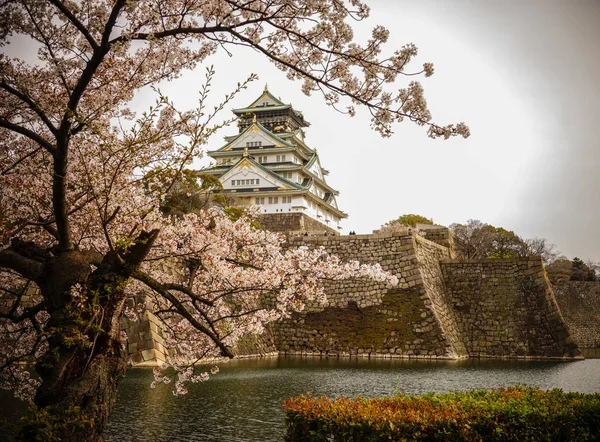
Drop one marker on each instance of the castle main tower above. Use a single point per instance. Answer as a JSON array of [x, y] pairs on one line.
[[268, 164]]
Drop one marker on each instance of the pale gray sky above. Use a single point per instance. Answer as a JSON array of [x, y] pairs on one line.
[[523, 75]]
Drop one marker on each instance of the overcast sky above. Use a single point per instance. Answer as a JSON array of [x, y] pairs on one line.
[[522, 74]]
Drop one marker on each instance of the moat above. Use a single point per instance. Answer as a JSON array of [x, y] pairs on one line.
[[243, 401]]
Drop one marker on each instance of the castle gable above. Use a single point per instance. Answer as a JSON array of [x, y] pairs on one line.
[[248, 175], [266, 99], [255, 136]]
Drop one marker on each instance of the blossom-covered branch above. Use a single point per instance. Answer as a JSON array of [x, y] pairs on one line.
[[84, 178]]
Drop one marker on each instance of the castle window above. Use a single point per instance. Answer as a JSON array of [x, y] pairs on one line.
[[276, 200], [282, 157], [270, 200], [233, 182], [278, 158], [257, 182]]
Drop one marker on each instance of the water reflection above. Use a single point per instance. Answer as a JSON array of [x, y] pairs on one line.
[[243, 402]]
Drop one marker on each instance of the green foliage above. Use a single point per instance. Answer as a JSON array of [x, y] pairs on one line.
[[184, 191], [44, 425], [191, 193], [411, 220], [514, 413], [579, 270], [559, 270], [234, 213], [505, 243], [564, 269]]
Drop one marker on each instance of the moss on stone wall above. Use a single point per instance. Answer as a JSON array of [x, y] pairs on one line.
[[506, 308], [400, 325], [579, 302]]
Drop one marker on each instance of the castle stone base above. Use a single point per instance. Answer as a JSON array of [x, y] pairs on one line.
[[294, 223], [442, 307]]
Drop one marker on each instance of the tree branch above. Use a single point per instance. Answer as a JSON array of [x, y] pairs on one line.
[[26, 267], [80, 26], [28, 133], [160, 289], [32, 105], [20, 160]]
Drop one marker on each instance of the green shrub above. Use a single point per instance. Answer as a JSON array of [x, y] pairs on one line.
[[504, 414]]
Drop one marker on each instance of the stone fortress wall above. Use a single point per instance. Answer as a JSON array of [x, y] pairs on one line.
[[364, 317], [442, 307], [294, 223], [580, 305], [506, 307]]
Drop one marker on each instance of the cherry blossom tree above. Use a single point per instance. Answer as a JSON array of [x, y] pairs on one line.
[[80, 228]]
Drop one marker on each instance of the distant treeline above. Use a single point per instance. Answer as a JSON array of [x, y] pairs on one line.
[[478, 240]]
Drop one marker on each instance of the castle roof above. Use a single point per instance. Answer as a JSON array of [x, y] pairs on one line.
[[256, 126], [269, 149], [267, 102]]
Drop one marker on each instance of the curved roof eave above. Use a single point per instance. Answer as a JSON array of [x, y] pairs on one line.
[[263, 129]]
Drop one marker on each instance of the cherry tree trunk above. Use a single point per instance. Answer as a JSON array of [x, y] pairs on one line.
[[85, 361]]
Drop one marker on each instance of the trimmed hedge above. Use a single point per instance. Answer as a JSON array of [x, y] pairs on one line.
[[505, 414]]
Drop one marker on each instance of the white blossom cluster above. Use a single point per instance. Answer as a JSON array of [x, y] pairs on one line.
[[81, 172], [237, 281]]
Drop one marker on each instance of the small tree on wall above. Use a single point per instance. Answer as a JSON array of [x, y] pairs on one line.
[[410, 220]]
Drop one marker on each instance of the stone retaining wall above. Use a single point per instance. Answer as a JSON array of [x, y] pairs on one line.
[[429, 255], [442, 308], [145, 342], [294, 222], [367, 318], [438, 234], [506, 308], [580, 305]]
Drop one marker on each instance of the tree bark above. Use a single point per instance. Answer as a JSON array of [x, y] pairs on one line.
[[85, 362]]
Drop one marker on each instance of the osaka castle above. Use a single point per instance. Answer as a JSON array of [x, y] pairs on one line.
[[269, 164]]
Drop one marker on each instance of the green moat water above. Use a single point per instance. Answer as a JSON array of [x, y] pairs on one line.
[[243, 401]]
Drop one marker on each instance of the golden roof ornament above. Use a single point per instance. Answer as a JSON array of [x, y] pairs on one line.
[[254, 118], [265, 87], [245, 152]]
